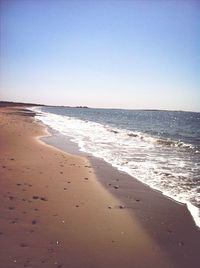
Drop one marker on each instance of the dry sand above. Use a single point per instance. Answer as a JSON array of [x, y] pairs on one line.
[[56, 213]]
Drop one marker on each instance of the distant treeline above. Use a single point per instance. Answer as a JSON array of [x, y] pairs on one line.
[[10, 103], [22, 104]]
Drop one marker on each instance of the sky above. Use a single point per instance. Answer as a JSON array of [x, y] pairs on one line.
[[109, 54]]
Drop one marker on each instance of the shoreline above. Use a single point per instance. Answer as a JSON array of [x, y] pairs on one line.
[[63, 143], [175, 230], [103, 226], [169, 192]]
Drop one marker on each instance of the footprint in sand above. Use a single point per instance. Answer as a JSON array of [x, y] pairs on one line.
[[23, 245], [43, 261], [43, 199], [14, 221], [11, 208], [27, 263]]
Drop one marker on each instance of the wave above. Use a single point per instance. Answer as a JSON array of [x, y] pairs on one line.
[[155, 140], [163, 164]]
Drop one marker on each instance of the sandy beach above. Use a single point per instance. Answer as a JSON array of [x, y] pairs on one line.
[[57, 209]]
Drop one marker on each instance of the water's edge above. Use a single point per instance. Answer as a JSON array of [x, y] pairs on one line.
[[64, 143], [73, 148]]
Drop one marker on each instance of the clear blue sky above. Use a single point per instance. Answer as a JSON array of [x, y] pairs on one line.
[[125, 54]]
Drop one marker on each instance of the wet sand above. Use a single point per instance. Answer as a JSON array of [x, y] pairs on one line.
[[169, 223], [58, 211]]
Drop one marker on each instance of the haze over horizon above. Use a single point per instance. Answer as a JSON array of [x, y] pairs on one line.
[[108, 54]]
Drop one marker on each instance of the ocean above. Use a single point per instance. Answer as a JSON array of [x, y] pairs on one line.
[[159, 148]]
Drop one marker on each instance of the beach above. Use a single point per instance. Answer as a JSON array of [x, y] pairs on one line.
[[64, 210]]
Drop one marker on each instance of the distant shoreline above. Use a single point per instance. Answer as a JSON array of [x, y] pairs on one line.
[[24, 104]]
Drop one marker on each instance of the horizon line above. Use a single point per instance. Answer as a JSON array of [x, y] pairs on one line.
[[89, 107]]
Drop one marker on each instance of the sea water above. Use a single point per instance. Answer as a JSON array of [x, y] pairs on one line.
[[159, 148]]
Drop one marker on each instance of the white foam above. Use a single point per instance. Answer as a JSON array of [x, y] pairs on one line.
[[195, 212]]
